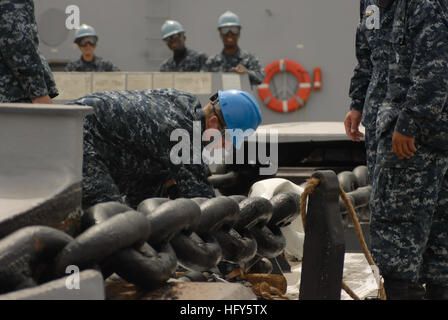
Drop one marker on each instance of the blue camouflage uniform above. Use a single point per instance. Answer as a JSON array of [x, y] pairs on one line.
[[224, 63], [98, 64], [190, 61], [369, 82], [24, 72], [409, 226], [127, 146]]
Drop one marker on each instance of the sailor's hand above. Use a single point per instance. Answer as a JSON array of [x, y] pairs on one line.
[[351, 123], [403, 146], [240, 69], [44, 99]]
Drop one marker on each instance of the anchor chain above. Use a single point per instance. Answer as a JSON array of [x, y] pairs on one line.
[[145, 246]]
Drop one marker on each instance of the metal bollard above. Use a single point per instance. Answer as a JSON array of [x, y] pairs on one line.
[[324, 246]]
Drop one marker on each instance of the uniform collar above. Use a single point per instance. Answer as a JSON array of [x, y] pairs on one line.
[[92, 62], [179, 56], [236, 54]]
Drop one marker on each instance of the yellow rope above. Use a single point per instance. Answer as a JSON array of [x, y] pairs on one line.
[[263, 285], [359, 234], [349, 291], [311, 185]]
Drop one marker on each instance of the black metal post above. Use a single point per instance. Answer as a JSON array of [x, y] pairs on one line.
[[324, 246]]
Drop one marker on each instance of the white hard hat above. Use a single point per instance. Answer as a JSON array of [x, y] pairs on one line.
[[171, 27], [228, 19], [85, 31]]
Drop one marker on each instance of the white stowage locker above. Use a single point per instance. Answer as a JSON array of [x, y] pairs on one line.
[[40, 163]]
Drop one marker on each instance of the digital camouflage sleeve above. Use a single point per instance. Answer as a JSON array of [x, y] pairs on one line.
[[24, 72], [224, 63], [363, 70]]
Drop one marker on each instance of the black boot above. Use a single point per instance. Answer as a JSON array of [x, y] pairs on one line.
[[436, 292], [416, 291], [397, 289]]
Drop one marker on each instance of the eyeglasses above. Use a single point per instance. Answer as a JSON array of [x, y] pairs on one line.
[[172, 38], [215, 104], [224, 133], [225, 30], [84, 41]]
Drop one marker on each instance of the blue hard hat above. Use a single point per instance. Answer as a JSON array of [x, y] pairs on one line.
[[171, 27], [85, 31], [240, 110], [228, 19]]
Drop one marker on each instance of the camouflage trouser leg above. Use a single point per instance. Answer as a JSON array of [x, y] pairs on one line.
[[409, 215], [435, 258], [371, 145], [97, 184]]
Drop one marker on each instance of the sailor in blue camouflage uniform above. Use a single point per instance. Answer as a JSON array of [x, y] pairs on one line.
[[127, 142], [369, 82], [184, 59], [25, 75], [232, 58], [86, 38], [409, 225]]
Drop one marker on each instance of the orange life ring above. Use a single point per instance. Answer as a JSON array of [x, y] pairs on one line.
[[302, 93]]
